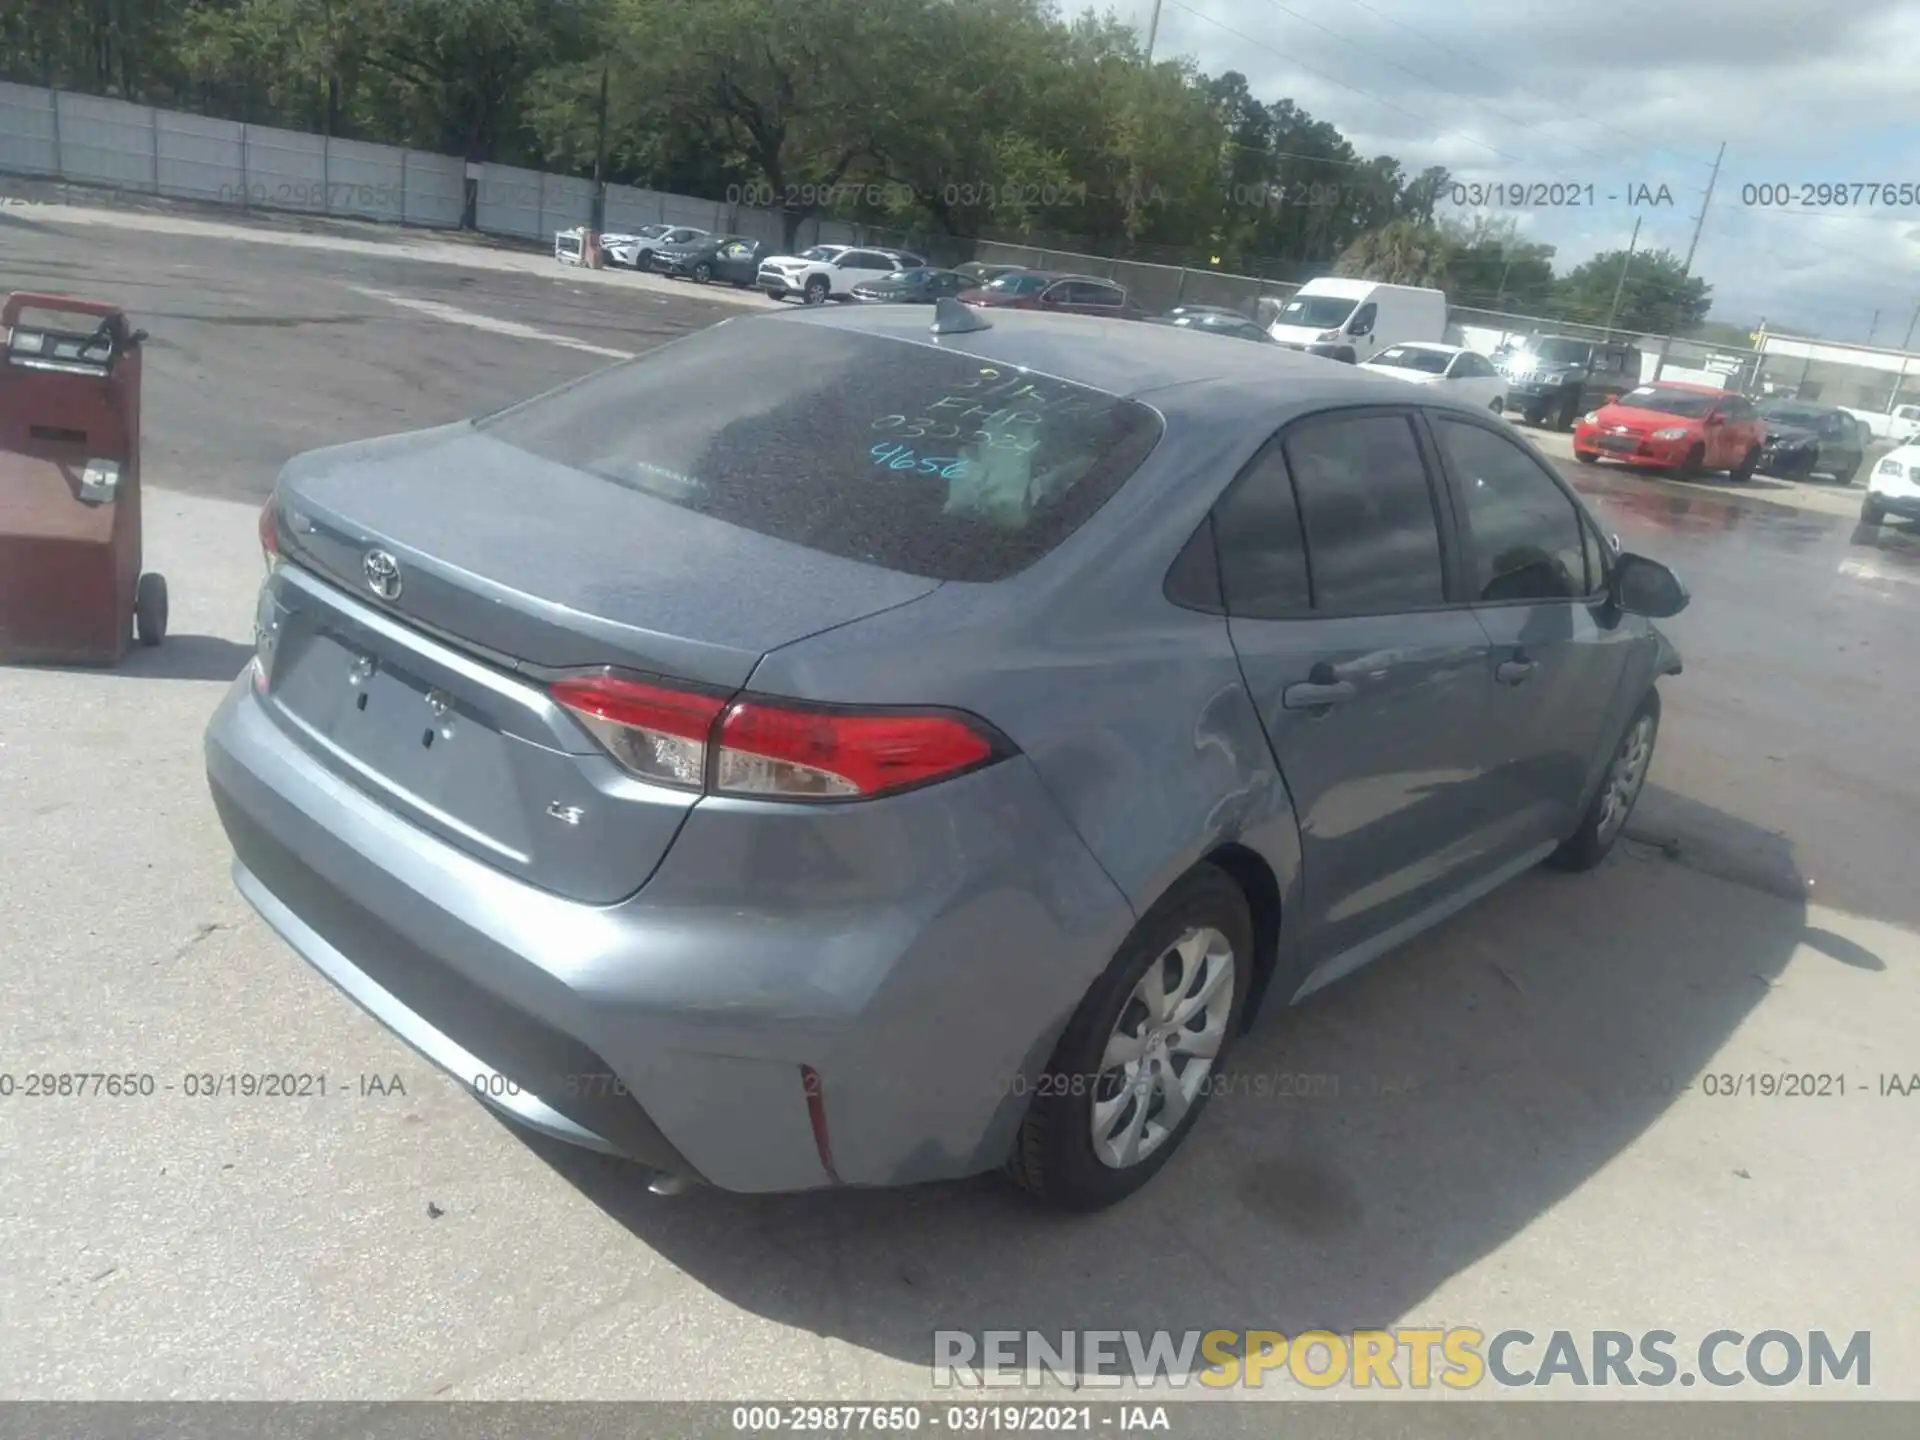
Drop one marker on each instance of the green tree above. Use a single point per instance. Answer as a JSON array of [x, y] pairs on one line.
[[1656, 298], [1493, 268], [1402, 252]]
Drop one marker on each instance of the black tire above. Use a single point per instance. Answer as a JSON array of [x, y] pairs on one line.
[[643, 261], [1690, 467], [1847, 474], [1053, 1158], [816, 290], [1586, 457], [1870, 511], [150, 609], [1589, 844], [1744, 470], [1569, 412], [702, 273], [1534, 415]]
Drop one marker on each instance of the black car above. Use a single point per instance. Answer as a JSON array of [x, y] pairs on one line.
[[732, 258], [1806, 440], [922, 286], [1215, 322], [1555, 379]]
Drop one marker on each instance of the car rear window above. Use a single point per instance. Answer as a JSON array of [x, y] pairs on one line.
[[1434, 362], [1664, 400], [903, 455]]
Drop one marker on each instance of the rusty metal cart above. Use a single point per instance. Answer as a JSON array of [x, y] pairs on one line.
[[71, 587]]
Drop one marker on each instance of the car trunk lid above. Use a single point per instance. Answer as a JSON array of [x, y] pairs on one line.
[[433, 697]]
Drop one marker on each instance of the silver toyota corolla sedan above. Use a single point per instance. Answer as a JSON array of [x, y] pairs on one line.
[[839, 749]]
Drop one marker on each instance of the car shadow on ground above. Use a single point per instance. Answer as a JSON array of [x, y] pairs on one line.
[[178, 657], [1364, 1147]]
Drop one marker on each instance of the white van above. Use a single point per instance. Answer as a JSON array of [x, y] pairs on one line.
[[1353, 320]]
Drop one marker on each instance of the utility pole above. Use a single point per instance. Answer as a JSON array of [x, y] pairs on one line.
[[1621, 283], [1686, 268], [1873, 327], [1153, 30], [1907, 344], [600, 161]]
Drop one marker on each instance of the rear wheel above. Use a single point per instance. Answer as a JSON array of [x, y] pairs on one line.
[[816, 291], [150, 609], [1848, 472], [1134, 1067], [1626, 776], [1744, 470]]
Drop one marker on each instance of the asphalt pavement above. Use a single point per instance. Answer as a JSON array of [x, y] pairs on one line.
[[1514, 1143]]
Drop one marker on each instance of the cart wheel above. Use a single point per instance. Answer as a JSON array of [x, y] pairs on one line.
[[150, 609]]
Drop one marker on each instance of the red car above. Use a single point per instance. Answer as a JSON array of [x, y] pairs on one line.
[[1073, 294], [1688, 429]]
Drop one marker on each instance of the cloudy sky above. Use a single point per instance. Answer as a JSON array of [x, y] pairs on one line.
[[1619, 94]]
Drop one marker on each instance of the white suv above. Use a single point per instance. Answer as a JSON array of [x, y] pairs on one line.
[[1894, 487], [829, 270]]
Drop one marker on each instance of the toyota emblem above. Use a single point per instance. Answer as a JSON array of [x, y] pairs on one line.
[[383, 574]]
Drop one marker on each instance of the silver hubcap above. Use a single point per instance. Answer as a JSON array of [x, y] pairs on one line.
[[1629, 772], [1162, 1048]]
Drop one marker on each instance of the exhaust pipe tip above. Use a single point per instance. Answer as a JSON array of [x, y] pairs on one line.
[[666, 1183]]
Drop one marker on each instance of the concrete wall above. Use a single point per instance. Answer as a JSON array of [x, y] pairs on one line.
[[93, 141]]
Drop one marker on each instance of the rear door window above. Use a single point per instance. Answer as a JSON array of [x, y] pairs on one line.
[[885, 451], [1367, 509], [1262, 549]]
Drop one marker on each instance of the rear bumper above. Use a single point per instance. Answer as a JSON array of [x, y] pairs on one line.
[[1654, 454], [918, 956]]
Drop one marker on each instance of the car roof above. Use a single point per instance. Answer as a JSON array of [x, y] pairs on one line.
[[1125, 357], [1439, 345], [1689, 386]]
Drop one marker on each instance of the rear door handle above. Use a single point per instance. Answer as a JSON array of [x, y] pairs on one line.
[[1513, 672], [1310, 695]]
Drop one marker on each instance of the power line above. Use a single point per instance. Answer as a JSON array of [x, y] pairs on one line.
[[1485, 69]]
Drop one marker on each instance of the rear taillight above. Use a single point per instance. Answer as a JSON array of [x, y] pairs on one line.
[[269, 538], [768, 749], [656, 733], [772, 749]]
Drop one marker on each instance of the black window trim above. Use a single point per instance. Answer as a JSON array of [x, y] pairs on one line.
[[1454, 577], [1457, 504]]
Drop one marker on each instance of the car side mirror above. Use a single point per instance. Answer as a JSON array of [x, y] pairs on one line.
[[1713, 420], [1646, 587]]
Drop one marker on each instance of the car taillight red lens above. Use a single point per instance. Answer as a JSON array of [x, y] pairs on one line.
[[795, 754], [762, 748], [656, 733]]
